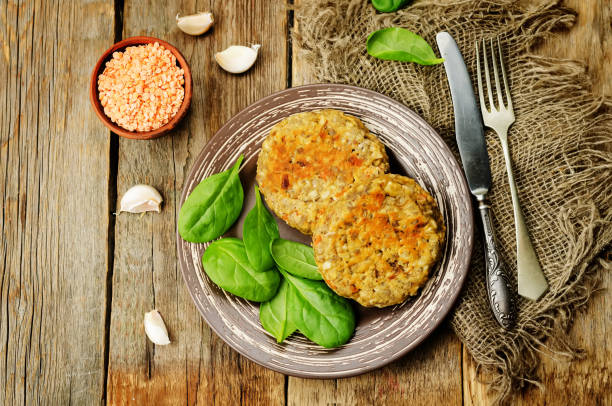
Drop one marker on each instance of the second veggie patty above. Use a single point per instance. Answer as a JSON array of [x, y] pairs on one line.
[[379, 242]]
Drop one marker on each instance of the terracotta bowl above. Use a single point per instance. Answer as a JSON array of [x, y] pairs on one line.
[[95, 99]]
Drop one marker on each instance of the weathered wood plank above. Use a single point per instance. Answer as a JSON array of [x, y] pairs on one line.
[[54, 212], [589, 41], [583, 382], [429, 375], [197, 367], [586, 381]]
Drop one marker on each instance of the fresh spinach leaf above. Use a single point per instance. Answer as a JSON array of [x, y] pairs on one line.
[[295, 258], [400, 44], [226, 264], [275, 314], [258, 231], [320, 314], [212, 207], [387, 6]]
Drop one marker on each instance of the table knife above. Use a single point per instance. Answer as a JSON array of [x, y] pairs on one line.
[[473, 150]]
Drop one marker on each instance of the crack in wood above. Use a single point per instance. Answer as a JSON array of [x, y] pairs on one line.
[[112, 201]]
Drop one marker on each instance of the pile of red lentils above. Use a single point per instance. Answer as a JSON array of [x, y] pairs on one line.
[[141, 89]]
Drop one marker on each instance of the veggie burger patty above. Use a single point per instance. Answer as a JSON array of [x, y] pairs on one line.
[[311, 159], [377, 244]]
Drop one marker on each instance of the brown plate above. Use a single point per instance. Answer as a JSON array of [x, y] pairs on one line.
[[382, 335]]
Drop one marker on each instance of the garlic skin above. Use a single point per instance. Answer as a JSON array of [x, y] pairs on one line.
[[155, 328], [141, 198], [237, 58], [195, 24]]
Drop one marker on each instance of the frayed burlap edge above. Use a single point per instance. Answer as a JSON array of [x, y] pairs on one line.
[[571, 223]]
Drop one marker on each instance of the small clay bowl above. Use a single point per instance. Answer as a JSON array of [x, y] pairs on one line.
[[95, 99]]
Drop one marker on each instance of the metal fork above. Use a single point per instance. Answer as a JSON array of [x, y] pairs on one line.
[[531, 280]]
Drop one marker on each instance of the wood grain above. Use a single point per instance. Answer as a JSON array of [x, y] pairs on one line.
[[54, 159], [429, 375], [58, 187], [589, 41], [197, 367]]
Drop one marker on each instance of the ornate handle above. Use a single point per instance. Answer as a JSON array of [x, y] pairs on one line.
[[498, 283]]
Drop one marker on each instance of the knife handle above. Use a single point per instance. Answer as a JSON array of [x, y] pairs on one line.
[[498, 283]]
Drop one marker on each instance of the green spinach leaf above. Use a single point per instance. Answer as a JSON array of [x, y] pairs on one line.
[[258, 231], [399, 44], [295, 258], [275, 314], [212, 207], [226, 264], [320, 314], [387, 6]]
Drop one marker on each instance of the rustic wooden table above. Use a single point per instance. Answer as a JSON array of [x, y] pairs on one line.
[[76, 280]]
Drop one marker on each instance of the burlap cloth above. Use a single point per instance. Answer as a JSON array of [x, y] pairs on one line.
[[562, 169]]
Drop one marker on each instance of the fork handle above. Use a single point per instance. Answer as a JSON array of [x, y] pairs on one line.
[[531, 280], [498, 283]]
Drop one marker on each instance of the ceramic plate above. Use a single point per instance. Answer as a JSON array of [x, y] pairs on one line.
[[382, 335]]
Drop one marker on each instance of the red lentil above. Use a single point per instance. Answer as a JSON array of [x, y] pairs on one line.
[[141, 89]]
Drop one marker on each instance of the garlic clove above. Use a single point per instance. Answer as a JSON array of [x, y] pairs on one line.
[[156, 328], [141, 198], [237, 58], [195, 24]]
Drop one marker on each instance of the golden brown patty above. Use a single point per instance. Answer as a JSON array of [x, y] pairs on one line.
[[377, 244], [310, 159]]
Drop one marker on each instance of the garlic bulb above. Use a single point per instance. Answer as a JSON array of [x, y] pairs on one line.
[[141, 198], [195, 24], [155, 328], [237, 58]]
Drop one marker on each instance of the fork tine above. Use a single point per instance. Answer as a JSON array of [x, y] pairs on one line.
[[503, 69], [487, 77], [483, 107], [500, 99]]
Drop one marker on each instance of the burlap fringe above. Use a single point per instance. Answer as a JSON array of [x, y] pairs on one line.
[[563, 167]]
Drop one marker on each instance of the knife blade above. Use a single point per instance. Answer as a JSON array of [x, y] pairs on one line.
[[473, 150], [468, 120]]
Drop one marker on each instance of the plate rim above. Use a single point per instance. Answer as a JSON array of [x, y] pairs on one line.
[[446, 308]]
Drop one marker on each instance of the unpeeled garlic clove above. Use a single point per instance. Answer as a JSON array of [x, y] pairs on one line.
[[141, 198], [195, 24], [237, 58], [155, 328]]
